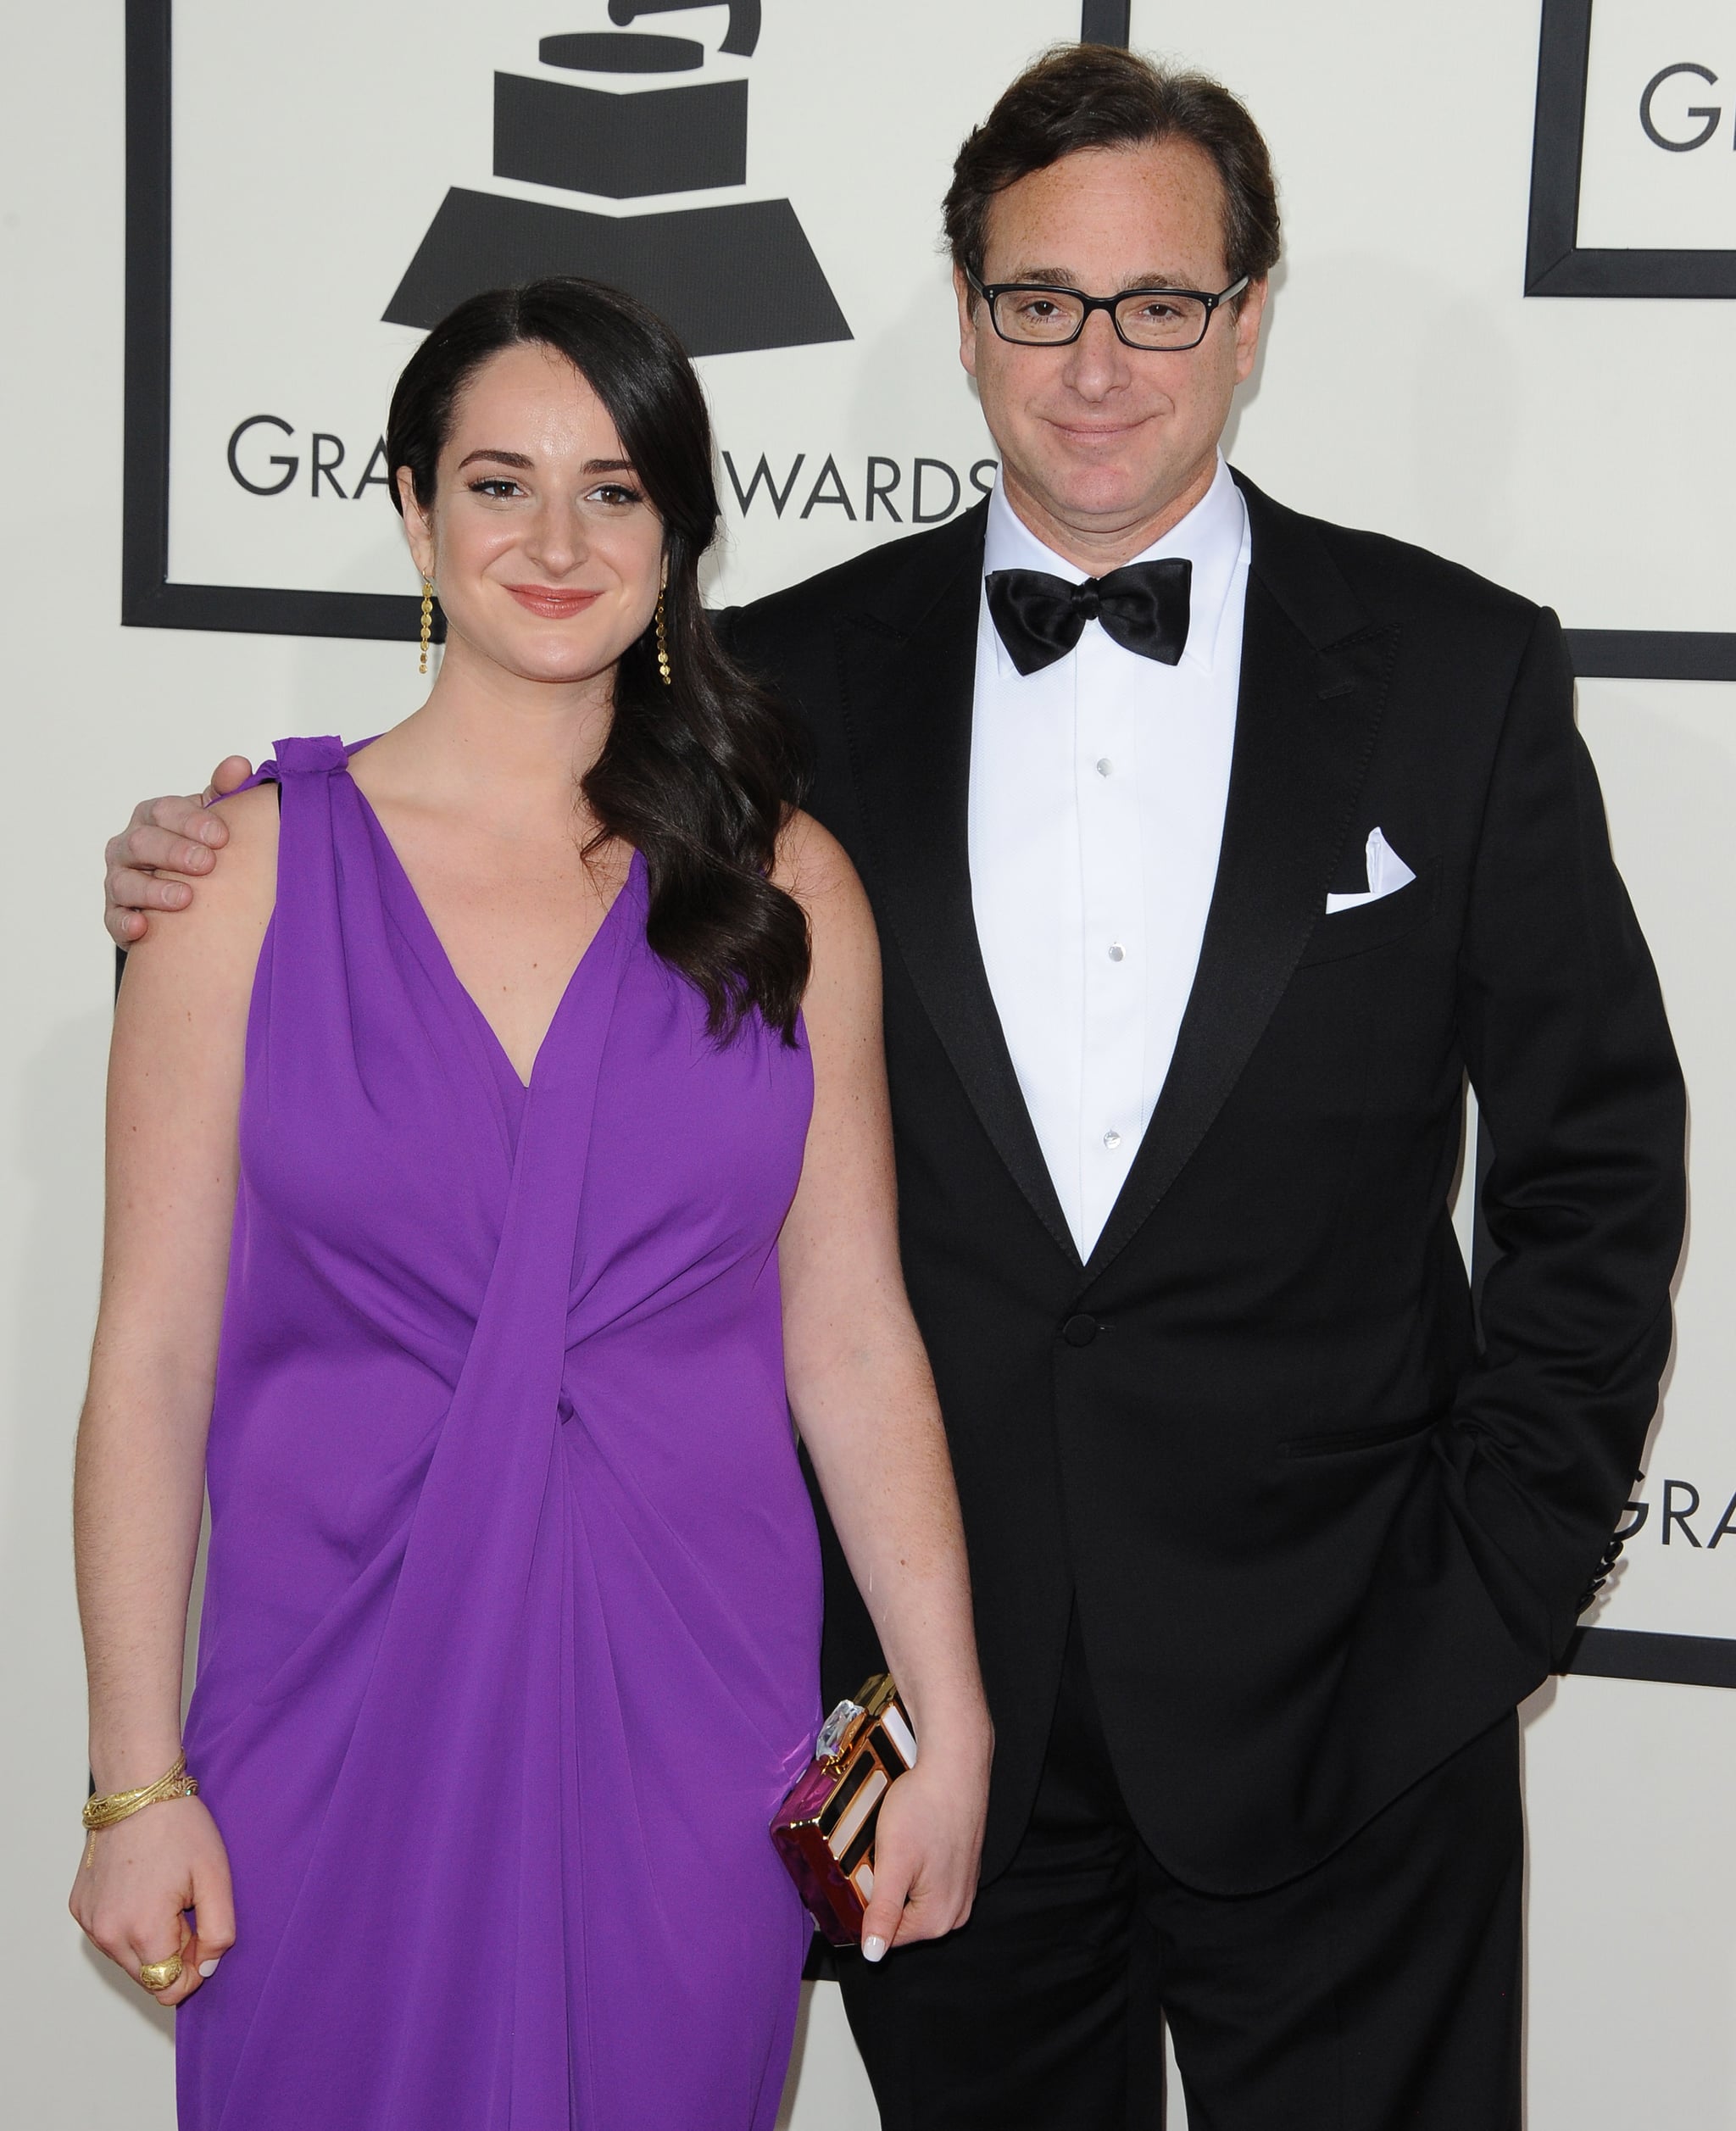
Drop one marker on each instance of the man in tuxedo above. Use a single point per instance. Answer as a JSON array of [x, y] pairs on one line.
[[1213, 846]]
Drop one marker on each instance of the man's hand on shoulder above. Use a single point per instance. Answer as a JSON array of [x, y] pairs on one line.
[[165, 837]]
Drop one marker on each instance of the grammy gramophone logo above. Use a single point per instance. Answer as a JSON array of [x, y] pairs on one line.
[[729, 275]]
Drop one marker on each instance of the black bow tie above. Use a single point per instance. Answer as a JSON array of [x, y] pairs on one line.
[[1143, 607]]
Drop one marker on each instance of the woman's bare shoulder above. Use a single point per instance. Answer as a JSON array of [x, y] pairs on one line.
[[231, 905], [251, 817], [813, 867]]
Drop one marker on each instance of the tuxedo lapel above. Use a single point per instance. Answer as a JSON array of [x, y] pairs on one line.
[[908, 672], [1313, 686]]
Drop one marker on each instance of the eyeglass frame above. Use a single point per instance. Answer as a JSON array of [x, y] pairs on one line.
[[990, 292]]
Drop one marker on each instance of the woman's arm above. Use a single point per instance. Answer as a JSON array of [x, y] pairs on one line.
[[864, 1402], [175, 1079]]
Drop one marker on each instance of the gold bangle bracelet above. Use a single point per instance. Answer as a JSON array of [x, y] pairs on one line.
[[121, 1805]]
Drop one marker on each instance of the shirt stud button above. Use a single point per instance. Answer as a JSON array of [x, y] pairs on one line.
[[1117, 953], [1111, 1139], [1105, 768]]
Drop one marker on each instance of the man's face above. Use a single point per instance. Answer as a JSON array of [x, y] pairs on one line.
[[1099, 441]]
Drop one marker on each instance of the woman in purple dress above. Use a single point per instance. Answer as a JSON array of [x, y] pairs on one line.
[[515, 1095]]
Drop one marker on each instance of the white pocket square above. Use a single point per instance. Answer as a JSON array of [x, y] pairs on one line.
[[1386, 873]]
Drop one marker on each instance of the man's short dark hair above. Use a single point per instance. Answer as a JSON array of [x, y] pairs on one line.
[[1097, 96]]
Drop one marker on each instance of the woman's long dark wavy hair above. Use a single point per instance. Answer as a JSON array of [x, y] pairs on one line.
[[699, 775]]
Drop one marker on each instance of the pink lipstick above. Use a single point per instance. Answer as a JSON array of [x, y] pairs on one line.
[[551, 603]]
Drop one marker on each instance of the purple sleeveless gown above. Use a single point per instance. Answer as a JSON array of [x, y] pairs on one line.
[[510, 1634]]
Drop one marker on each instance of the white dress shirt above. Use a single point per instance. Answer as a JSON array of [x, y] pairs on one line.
[[1096, 813]]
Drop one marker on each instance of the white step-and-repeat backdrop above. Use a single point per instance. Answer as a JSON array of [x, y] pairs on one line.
[[1504, 327]]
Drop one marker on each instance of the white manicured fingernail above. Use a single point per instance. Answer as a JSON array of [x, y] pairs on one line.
[[209, 1967], [873, 1949]]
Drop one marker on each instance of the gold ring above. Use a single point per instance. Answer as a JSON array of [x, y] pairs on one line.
[[157, 1975]]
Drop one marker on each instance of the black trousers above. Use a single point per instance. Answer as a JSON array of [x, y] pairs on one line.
[[1379, 1991]]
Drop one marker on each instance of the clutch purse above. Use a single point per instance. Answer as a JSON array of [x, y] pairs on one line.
[[824, 1830]]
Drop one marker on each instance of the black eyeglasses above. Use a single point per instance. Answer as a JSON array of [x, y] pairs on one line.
[[1034, 315]]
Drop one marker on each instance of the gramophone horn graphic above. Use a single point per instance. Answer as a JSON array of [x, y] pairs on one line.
[[733, 275]]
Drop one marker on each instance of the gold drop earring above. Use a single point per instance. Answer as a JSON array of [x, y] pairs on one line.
[[427, 617], [662, 636]]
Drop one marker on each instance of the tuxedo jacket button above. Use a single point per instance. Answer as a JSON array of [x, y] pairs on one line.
[[1079, 1331]]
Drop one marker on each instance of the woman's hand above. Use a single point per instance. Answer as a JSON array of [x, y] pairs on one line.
[[136, 1881], [927, 1848]]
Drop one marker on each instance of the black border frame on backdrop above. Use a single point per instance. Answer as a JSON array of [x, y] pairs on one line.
[[148, 597], [1556, 264], [150, 600]]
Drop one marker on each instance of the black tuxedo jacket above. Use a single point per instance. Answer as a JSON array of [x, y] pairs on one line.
[[1317, 1536]]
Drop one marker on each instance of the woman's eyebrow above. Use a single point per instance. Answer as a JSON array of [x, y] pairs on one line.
[[523, 460]]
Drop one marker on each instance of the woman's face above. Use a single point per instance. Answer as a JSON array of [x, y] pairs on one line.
[[546, 553]]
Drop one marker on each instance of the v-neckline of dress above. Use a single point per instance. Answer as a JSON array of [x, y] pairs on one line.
[[442, 962]]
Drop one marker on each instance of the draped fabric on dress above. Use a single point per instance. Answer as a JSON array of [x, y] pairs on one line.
[[511, 1617]]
